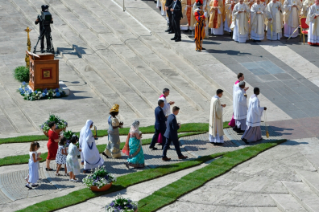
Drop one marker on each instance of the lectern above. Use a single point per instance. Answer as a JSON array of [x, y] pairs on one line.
[[44, 71]]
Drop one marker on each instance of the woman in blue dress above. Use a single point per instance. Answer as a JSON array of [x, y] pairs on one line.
[[136, 156]]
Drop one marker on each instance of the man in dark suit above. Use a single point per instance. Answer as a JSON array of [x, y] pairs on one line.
[[176, 10], [160, 125], [171, 135], [168, 3]]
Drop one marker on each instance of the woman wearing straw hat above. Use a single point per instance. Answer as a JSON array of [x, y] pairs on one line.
[[113, 144]]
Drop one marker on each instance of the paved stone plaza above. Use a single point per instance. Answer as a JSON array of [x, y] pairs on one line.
[[109, 56]]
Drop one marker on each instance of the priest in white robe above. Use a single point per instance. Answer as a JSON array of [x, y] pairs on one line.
[[257, 21], [292, 10], [240, 22], [275, 20], [253, 131], [305, 7], [216, 133], [313, 23], [90, 156], [216, 17], [240, 109]]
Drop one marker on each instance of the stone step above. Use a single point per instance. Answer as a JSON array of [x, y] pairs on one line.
[[311, 179], [140, 49], [304, 195], [286, 202]]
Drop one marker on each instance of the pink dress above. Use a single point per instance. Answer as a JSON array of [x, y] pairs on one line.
[[232, 121]]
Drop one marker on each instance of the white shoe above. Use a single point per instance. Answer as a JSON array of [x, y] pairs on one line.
[[76, 180]]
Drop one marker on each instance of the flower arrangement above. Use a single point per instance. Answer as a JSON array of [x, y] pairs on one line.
[[28, 94], [68, 135], [99, 178], [121, 204], [60, 123]]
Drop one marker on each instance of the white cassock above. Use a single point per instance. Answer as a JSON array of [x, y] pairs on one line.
[[313, 23], [167, 106], [274, 27], [253, 131], [240, 109], [90, 154], [240, 23], [291, 21], [235, 88], [305, 7], [216, 133], [257, 21]]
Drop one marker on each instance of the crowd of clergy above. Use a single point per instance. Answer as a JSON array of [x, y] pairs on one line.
[[246, 118], [244, 19]]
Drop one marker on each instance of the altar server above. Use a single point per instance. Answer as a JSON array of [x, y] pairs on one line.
[[240, 22], [275, 20], [257, 21], [313, 22], [291, 23], [216, 133], [253, 131], [240, 109], [216, 17]]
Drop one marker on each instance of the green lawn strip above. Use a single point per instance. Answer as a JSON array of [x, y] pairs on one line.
[[196, 179], [122, 182], [189, 127], [23, 159]]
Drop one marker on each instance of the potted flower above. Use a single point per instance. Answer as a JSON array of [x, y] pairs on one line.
[[121, 204], [99, 180], [60, 124]]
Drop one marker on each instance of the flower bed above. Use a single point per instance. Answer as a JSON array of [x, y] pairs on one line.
[[121, 204], [99, 178], [60, 124], [28, 94]]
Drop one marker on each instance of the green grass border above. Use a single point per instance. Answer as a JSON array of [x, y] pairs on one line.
[[189, 127], [198, 178]]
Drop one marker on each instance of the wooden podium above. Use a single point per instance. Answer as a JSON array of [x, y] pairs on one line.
[[44, 71]]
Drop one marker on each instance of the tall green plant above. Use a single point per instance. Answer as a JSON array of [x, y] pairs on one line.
[[21, 73]]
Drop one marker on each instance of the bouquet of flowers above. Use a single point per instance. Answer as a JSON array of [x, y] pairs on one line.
[[99, 178], [28, 94], [60, 123], [121, 204], [68, 135]]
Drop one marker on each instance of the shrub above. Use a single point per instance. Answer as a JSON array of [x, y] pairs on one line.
[[21, 73]]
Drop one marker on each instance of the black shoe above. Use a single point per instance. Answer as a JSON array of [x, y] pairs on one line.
[[153, 148], [35, 185], [103, 153], [168, 30], [46, 169], [28, 186], [178, 40], [173, 38], [245, 140], [42, 51], [171, 32], [203, 49], [240, 131]]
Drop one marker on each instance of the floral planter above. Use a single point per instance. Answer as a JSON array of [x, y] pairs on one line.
[[104, 188]]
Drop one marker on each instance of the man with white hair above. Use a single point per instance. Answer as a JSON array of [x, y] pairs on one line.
[[167, 105]]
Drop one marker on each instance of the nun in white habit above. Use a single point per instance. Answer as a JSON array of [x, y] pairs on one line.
[[253, 131], [90, 155]]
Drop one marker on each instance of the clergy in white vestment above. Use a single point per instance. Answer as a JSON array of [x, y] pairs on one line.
[[292, 10], [90, 155], [216, 133], [229, 6], [240, 109], [240, 22], [305, 7], [275, 20], [313, 23], [253, 131], [216, 17], [257, 21], [167, 105]]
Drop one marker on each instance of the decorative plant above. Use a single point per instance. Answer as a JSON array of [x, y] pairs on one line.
[[60, 123], [21, 73], [99, 178], [68, 135], [28, 94], [121, 204]]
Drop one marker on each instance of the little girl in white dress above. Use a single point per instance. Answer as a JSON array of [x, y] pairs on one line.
[[61, 157], [33, 166]]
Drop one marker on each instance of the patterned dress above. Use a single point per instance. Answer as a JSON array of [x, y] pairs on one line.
[[113, 144], [72, 162], [136, 157], [60, 158]]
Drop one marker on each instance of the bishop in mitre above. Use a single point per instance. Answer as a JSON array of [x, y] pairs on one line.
[[291, 23], [240, 22], [229, 7], [216, 133], [305, 7], [275, 20], [253, 131], [257, 21], [240, 108], [216, 17], [313, 23]]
